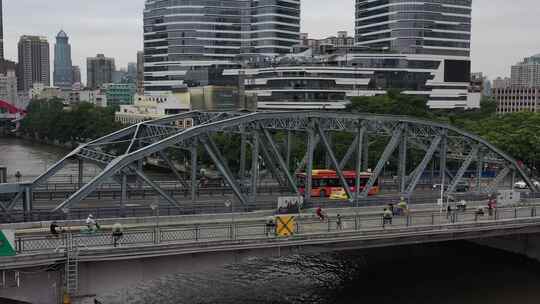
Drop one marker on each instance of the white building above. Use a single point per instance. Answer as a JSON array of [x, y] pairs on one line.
[[331, 81], [153, 107], [95, 97], [8, 87], [40, 91]]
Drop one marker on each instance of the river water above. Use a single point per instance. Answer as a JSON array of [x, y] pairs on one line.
[[32, 159], [451, 273]]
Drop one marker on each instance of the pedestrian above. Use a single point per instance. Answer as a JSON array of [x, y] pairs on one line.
[[320, 213], [54, 229], [117, 233], [387, 217], [91, 223], [18, 176], [339, 223], [492, 204], [270, 227], [448, 211], [402, 205]]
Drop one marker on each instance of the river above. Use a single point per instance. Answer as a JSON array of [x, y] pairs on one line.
[[451, 273], [32, 159]]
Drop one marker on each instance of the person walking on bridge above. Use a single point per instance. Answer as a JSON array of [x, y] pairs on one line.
[[320, 213], [270, 226], [339, 222], [387, 217], [54, 229], [91, 223], [117, 233]]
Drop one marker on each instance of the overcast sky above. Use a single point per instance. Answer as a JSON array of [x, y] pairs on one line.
[[503, 31]]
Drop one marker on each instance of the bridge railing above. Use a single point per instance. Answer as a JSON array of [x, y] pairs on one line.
[[209, 206], [305, 226]]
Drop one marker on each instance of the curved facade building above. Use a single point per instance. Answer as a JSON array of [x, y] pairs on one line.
[[435, 27], [184, 38]]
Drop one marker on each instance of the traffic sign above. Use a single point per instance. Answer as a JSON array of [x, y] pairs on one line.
[[7, 243], [285, 225]]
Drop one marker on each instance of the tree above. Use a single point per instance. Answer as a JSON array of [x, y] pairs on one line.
[[392, 103]]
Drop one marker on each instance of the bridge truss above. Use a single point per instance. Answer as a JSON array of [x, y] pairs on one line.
[[414, 144]]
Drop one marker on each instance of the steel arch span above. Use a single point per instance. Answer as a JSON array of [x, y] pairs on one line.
[[411, 143]]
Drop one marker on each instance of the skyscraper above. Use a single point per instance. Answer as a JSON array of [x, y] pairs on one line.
[[527, 72], [34, 62], [99, 70], [63, 70], [140, 72], [436, 27], [183, 41], [76, 72], [1, 30]]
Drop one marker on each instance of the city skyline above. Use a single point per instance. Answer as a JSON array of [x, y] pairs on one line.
[[117, 31]]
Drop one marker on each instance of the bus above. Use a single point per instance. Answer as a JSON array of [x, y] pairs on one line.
[[325, 182]]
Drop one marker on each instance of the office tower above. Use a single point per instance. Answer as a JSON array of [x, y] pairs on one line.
[[8, 87], [183, 42], [63, 68], [526, 73], [100, 70], [76, 72], [435, 27], [1, 30], [34, 62], [140, 72]]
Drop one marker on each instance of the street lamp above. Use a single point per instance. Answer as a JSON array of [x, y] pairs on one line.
[[441, 200], [229, 204], [155, 209]]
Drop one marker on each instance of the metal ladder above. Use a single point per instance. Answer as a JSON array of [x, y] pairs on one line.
[[72, 266]]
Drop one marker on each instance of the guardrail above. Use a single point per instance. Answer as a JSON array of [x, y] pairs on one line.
[[209, 207], [258, 230]]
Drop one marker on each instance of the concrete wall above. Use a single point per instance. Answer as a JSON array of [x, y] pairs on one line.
[[98, 278], [36, 286], [524, 244]]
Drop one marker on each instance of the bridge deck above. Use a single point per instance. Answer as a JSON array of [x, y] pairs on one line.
[[364, 229]]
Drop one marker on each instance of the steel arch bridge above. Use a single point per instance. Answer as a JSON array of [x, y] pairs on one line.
[[122, 153]]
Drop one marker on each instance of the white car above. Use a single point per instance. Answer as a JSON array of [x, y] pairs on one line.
[[520, 185], [523, 185]]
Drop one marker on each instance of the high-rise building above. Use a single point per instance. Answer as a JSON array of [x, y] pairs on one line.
[[100, 70], [182, 40], [1, 30], [140, 72], [436, 27], [8, 87], [527, 72], [34, 62], [76, 72], [499, 82], [320, 46], [63, 68]]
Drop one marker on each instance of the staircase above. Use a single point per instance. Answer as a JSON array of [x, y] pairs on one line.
[[72, 266]]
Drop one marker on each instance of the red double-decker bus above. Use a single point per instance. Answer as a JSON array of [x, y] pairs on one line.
[[325, 182]]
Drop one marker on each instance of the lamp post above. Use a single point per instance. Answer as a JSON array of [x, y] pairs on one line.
[[155, 208], [441, 200]]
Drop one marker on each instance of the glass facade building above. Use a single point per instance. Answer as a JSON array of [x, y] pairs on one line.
[[435, 27], [183, 38], [63, 69]]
